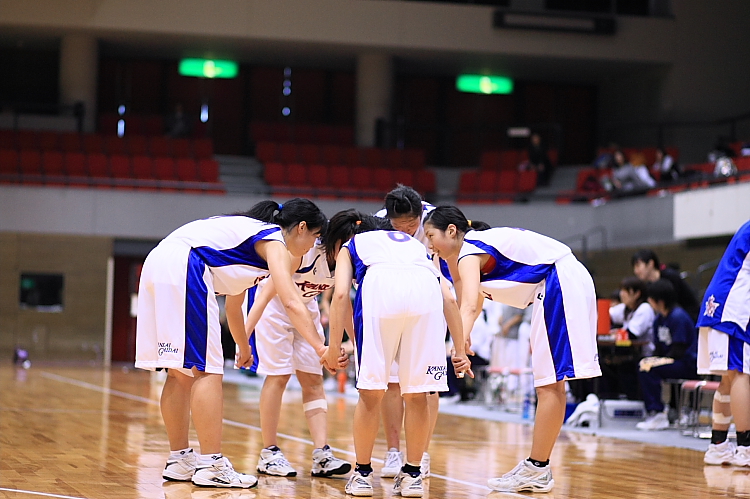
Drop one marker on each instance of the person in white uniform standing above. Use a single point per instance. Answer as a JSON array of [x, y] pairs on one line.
[[178, 321], [519, 267], [280, 351], [406, 210], [399, 313]]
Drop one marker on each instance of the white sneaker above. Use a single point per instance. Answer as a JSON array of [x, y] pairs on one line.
[[525, 477], [742, 456], [394, 460], [358, 485], [718, 454], [273, 462], [326, 464], [657, 421], [424, 465], [181, 469], [222, 474], [408, 486]]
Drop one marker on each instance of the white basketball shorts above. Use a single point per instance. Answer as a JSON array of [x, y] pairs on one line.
[[719, 353], [178, 315], [399, 315], [563, 325]]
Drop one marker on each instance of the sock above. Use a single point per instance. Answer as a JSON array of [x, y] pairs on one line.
[[363, 469], [743, 438], [411, 470], [325, 447], [393, 449], [273, 448], [179, 454], [718, 436], [539, 464], [209, 459]]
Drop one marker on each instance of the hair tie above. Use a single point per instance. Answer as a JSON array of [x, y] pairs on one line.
[[469, 222], [280, 206], [358, 222]]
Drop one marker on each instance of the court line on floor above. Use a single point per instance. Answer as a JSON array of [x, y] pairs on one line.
[[39, 493], [237, 424]]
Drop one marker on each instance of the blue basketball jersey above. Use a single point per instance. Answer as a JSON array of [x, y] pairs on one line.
[[522, 258], [726, 304], [226, 244], [381, 247]]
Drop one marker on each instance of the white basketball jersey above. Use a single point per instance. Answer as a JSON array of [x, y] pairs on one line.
[[381, 247], [419, 235], [523, 259], [226, 244]]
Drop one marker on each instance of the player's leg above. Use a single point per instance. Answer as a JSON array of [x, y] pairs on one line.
[[270, 407], [740, 401], [433, 406], [392, 411], [175, 411]]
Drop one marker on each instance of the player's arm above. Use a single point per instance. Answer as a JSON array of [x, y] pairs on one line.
[[461, 363], [236, 323], [280, 267], [341, 305], [471, 300], [262, 299]]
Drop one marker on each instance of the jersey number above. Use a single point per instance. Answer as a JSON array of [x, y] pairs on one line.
[[399, 237]]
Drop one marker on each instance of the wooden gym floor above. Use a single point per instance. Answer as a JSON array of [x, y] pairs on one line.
[[84, 432]]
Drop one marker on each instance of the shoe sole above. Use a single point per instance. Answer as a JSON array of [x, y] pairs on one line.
[[178, 478], [360, 493], [529, 488], [208, 483], [710, 462], [341, 470], [291, 473]]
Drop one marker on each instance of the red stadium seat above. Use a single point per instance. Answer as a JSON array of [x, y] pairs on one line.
[[75, 164], [527, 181], [31, 162], [331, 155], [374, 157], [406, 177], [203, 148], [115, 145], [309, 154], [339, 176], [510, 159], [288, 152], [487, 181], [70, 142], [9, 162], [164, 168], [160, 146], [208, 170], [137, 145], [383, 179], [181, 148], [187, 170], [52, 163], [93, 143], [26, 139], [426, 182], [317, 176], [7, 139], [97, 165], [48, 141], [119, 166], [296, 175], [414, 159], [507, 181], [351, 156], [360, 178], [267, 152], [274, 173], [490, 160]]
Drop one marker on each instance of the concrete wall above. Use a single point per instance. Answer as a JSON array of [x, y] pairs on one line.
[[76, 332]]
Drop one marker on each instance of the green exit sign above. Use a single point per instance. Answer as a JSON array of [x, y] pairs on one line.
[[208, 68], [482, 84]]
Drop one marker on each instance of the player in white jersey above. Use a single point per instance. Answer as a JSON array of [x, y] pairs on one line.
[[280, 351], [406, 210], [724, 349], [399, 312], [178, 320], [519, 267]]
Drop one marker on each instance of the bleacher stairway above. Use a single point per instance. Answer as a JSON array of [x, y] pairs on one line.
[[241, 175]]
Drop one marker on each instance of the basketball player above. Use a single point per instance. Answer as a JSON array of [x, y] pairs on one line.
[[519, 267], [398, 314], [406, 210], [280, 351], [724, 349], [178, 320]]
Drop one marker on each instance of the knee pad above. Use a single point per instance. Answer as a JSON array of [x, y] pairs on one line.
[[315, 404]]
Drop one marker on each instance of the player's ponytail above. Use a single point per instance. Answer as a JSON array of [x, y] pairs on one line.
[[403, 201], [346, 224], [289, 214], [443, 216]]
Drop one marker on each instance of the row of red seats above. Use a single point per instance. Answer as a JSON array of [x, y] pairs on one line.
[[90, 169], [109, 144], [272, 152], [490, 185], [649, 153], [509, 159], [344, 180], [301, 133]]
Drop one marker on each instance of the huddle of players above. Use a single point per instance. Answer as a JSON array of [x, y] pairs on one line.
[[398, 319]]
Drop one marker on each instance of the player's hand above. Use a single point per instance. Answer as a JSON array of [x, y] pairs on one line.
[[467, 347], [328, 359], [243, 359], [343, 360], [461, 365]]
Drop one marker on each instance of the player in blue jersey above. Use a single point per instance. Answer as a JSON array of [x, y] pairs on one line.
[[674, 355], [399, 313], [178, 320], [724, 349], [519, 267], [406, 210]]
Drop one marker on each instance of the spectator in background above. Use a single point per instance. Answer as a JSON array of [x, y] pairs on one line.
[[634, 313], [631, 177], [178, 124], [675, 352], [665, 168], [646, 267], [721, 149], [539, 160]]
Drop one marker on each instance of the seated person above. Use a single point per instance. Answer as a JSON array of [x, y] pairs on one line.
[[675, 352], [631, 177], [665, 168], [646, 267]]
